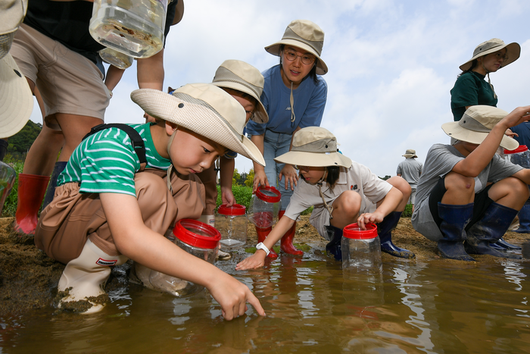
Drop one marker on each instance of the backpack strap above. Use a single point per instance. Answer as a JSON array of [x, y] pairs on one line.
[[136, 140]]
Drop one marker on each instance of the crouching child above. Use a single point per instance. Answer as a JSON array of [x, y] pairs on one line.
[[112, 205], [341, 191], [468, 196]]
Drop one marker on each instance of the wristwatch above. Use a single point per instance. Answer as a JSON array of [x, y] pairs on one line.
[[261, 246]]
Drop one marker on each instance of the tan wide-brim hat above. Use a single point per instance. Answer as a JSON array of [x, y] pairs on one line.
[[410, 153], [204, 109], [305, 35], [476, 124], [241, 76], [16, 98], [314, 147], [513, 50]]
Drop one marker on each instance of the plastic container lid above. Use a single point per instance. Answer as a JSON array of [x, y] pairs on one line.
[[236, 209], [353, 231], [521, 148], [269, 194], [197, 234]]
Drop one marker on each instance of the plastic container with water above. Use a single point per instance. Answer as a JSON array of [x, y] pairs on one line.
[[133, 27], [115, 58], [519, 156], [361, 249], [194, 237], [264, 207], [232, 224]]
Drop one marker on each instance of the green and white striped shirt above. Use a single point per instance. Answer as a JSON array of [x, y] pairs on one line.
[[106, 162]]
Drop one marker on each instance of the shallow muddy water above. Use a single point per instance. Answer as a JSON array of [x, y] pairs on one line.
[[437, 306]]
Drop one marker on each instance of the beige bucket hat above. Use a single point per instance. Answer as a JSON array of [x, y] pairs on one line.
[[241, 76], [513, 50], [16, 98], [475, 125], [410, 153], [314, 147], [305, 35], [205, 109]]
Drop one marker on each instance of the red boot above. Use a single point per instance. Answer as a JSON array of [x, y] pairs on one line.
[[262, 235], [287, 239], [31, 189]]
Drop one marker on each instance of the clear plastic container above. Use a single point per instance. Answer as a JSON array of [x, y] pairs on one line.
[[7, 178], [519, 156], [232, 224], [118, 59], [361, 249], [264, 207], [194, 237], [133, 27]]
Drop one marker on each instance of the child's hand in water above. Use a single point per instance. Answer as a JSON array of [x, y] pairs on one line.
[[375, 217], [233, 296], [257, 260]]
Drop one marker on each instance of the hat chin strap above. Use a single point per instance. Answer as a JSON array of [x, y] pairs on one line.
[[170, 169], [489, 81], [319, 183]]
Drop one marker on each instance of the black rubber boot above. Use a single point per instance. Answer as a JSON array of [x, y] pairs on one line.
[[334, 246], [384, 230], [490, 229], [454, 220], [524, 219], [57, 169]]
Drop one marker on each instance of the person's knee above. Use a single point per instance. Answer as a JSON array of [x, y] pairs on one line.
[[349, 203], [402, 185]]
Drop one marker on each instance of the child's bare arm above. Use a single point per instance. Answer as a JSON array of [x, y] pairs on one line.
[[388, 204], [477, 160], [258, 259], [114, 76], [136, 241]]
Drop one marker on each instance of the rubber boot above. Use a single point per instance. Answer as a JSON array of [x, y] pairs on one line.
[[84, 278], [262, 235], [334, 245], [31, 189], [50, 192], [3, 148], [454, 220], [489, 230], [287, 239], [524, 219], [384, 230]]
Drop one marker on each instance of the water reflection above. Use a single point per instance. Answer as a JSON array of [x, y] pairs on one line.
[[313, 306]]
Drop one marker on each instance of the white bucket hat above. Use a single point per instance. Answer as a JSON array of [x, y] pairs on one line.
[[305, 35], [410, 153], [16, 98], [476, 124], [513, 50], [204, 109], [241, 76], [314, 147]]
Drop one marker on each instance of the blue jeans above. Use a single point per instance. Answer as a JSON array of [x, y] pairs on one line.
[[274, 145]]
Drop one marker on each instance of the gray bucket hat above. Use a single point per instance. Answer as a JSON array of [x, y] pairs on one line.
[[476, 124], [314, 147], [513, 50], [410, 153], [241, 76], [305, 35]]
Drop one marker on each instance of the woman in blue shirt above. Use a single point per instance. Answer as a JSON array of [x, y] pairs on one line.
[[294, 96]]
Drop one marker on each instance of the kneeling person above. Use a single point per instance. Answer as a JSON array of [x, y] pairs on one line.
[[467, 195]]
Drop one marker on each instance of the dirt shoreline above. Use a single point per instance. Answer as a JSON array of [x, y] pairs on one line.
[[28, 278]]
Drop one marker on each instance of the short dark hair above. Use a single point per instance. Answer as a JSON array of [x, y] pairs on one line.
[[333, 175]]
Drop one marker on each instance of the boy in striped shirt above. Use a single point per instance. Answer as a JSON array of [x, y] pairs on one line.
[[110, 207]]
